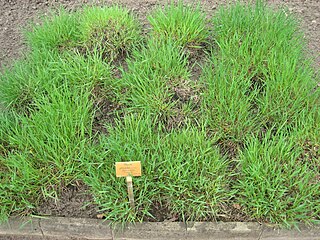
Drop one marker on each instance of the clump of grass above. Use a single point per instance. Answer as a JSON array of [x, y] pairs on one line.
[[35, 76], [158, 81], [184, 24], [193, 175], [43, 145], [226, 104], [149, 72], [20, 184], [130, 139], [268, 46], [56, 32], [46, 148], [274, 184], [259, 94], [77, 70], [24, 80], [113, 31], [178, 168]]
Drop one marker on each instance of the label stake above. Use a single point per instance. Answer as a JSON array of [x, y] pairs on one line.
[[128, 170], [130, 191]]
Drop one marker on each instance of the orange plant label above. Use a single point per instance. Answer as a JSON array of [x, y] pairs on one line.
[[125, 169]]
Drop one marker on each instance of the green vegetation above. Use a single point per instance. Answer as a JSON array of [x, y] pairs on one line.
[[243, 136], [57, 31], [186, 25], [111, 31], [180, 170]]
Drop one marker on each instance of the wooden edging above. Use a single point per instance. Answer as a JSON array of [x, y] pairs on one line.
[[80, 228]]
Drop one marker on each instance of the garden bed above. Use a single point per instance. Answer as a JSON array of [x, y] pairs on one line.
[[221, 109]]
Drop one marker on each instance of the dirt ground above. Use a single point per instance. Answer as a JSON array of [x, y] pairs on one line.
[[16, 14]]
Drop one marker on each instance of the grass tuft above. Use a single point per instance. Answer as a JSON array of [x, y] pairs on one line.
[[274, 184], [149, 73], [56, 32], [186, 25], [177, 169], [158, 82], [113, 31]]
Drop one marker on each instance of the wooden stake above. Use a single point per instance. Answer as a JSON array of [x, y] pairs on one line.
[[129, 170], [130, 191]]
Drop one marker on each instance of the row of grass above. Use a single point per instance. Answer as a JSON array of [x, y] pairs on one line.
[[245, 133], [109, 30]]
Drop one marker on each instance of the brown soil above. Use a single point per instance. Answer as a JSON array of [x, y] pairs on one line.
[[16, 14], [73, 201]]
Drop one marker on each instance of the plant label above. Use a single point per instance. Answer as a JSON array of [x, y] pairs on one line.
[[125, 169], [129, 170]]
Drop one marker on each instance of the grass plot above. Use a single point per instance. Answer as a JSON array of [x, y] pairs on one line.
[[237, 142]]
